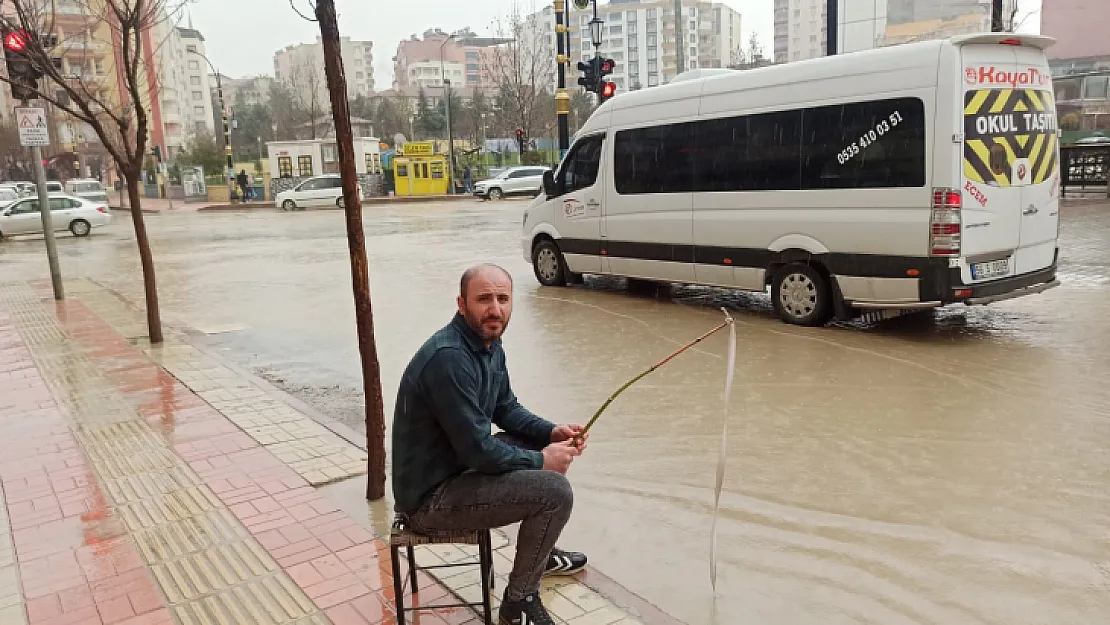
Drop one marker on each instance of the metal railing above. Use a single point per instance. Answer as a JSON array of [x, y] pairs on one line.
[[1083, 167]]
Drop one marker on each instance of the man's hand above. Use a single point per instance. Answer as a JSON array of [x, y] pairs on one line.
[[558, 456], [567, 432]]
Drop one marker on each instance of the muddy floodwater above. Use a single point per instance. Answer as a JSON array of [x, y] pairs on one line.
[[946, 469]]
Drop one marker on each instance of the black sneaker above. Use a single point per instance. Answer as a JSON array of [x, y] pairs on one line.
[[564, 562], [527, 611]]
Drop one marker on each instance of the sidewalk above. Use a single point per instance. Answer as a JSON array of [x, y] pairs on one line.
[[157, 484]]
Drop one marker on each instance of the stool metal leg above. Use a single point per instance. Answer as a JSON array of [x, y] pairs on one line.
[[412, 569], [485, 562], [489, 547], [397, 589]]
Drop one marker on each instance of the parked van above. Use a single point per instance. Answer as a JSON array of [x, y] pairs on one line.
[[902, 178]]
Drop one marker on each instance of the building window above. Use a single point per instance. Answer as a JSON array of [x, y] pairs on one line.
[[190, 48], [194, 64], [304, 165], [198, 110], [285, 167], [197, 95], [194, 80]]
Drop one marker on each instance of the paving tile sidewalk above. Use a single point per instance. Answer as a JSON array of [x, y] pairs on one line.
[[154, 484]]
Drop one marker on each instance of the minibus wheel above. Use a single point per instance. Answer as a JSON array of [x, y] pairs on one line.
[[801, 296], [548, 264]]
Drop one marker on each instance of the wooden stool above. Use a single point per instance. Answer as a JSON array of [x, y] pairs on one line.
[[402, 535]]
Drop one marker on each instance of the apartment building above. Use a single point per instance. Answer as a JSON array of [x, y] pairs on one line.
[[1079, 27], [801, 25], [642, 38], [424, 62], [183, 92], [300, 67], [253, 90]]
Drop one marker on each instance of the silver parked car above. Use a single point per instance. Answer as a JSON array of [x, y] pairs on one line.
[[521, 180]]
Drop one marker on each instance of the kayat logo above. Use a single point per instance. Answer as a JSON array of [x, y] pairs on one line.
[[1022, 171], [972, 76]]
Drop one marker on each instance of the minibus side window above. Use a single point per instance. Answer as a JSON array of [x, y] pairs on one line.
[[580, 171]]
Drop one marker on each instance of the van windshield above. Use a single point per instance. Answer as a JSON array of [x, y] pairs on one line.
[[87, 186]]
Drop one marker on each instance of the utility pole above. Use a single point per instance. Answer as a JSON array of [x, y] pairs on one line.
[[356, 243], [562, 98], [998, 22], [832, 27], [680, 42], [47, 225]]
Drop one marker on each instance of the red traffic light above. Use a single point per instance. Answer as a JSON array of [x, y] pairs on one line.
[[519, 133], [607, 65], [608, 90], [15, 41]]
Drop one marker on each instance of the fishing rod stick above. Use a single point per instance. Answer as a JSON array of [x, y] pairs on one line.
[[636, 379]]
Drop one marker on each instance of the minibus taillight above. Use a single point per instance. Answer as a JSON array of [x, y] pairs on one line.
[[944, 239]]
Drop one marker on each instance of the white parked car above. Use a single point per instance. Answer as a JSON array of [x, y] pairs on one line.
[[8, 195], [87, 188], [319, 191], [67, 212], [522, 180]]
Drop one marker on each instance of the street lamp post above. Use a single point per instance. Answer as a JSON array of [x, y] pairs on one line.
[[227, 128], [447, 107]]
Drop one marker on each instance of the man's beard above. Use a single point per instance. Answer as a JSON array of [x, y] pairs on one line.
[[479, 326]]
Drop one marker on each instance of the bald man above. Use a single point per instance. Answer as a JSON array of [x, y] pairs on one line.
[[451, 473]]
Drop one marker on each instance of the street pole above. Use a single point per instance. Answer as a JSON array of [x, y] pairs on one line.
[[227, 141], [47, 225], [356, 243], [562, 98], [832, 27], [997, 22], [447, 108], [680, 43]]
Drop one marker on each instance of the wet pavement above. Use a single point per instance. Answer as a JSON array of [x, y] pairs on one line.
[[944, 468]]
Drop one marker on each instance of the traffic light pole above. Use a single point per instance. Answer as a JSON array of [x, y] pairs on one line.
[[47, 224], [562, 98]]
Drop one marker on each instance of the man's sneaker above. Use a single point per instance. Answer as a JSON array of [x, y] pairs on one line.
[[527, 611], [564, 562]]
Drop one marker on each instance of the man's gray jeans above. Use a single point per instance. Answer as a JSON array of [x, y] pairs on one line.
[[540, 500]]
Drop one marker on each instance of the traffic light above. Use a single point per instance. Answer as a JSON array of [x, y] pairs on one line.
[[606, 89], [593, 77], [589, 77], [22, 73], [520, 140], [157, 152]]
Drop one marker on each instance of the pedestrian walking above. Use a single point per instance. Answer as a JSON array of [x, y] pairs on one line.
[[241, 179], [451, 473], [468, 179]]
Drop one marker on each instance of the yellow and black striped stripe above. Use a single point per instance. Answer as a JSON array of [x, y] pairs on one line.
[[989, 157]]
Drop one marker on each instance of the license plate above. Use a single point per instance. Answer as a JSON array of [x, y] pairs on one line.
[[993, 269]]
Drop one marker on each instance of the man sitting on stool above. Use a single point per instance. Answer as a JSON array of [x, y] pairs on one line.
[[451, 473]]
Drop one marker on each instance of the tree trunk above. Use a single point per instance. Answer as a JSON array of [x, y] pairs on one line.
[[150, 286], [356, 243]]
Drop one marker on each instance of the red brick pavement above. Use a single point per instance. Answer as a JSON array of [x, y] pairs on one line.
[[78, 562]]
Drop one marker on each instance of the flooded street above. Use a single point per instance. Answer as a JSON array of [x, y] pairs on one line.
[[947, 469]]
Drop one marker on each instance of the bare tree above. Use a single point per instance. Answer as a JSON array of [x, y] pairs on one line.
[[118, 117], [306, 86], [522, 70], [749, 57]]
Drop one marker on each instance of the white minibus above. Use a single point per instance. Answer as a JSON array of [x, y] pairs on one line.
[[903, 178]]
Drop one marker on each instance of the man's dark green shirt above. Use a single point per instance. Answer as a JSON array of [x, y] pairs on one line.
[[453, 389]]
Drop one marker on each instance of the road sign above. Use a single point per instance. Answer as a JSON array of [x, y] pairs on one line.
[[33, 130]]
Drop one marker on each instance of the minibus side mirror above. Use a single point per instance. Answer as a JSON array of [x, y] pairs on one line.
[[549, 184]]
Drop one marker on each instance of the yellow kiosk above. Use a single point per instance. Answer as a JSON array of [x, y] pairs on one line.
[[418, 170]]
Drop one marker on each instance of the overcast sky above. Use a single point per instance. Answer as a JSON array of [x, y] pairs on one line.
[[242, 35]]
